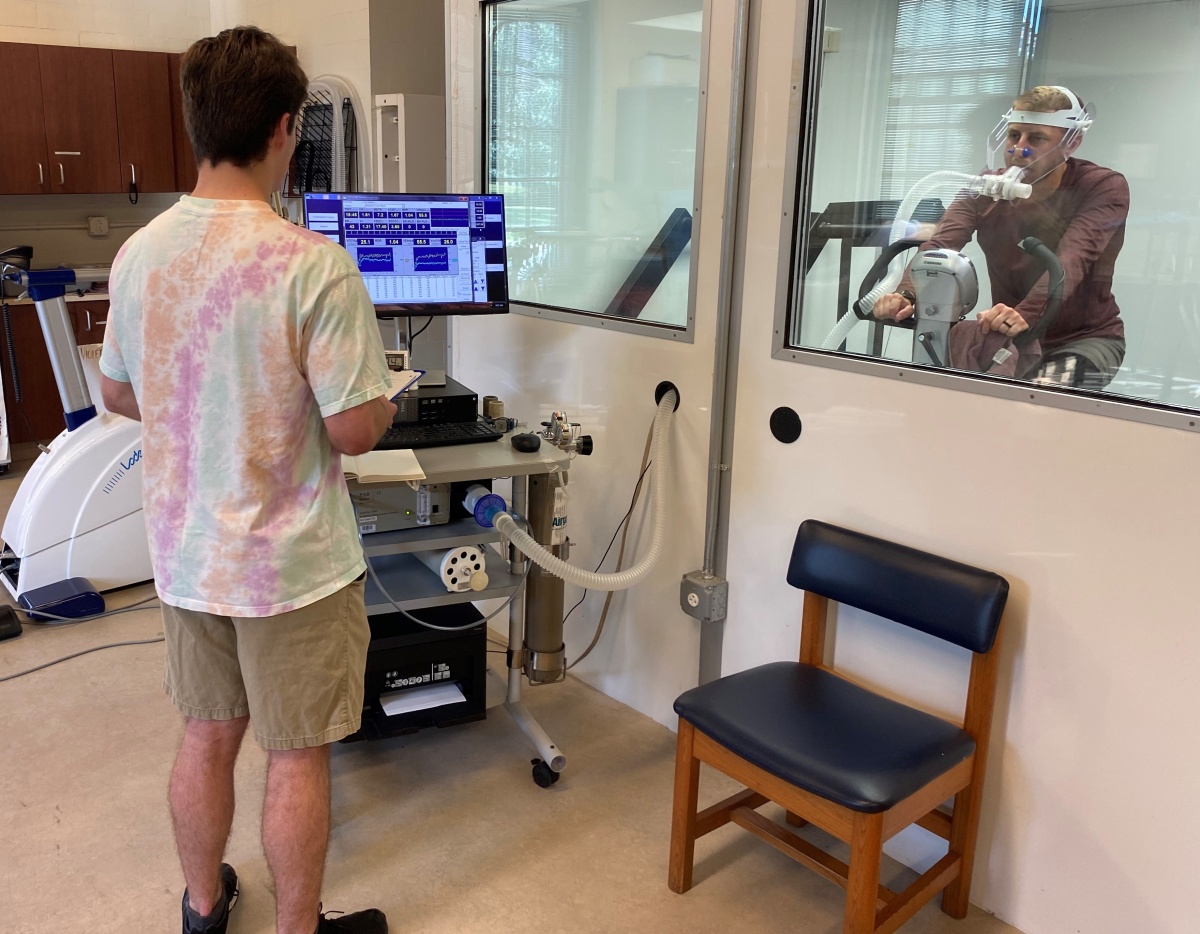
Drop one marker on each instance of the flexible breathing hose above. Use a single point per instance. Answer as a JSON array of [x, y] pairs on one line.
[[622, 580], [840, 331]]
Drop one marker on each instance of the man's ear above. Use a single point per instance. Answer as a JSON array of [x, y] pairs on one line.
[[280, 134]]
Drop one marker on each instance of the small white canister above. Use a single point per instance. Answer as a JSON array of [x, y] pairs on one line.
[[460, 569]]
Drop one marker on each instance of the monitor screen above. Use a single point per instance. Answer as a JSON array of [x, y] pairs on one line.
[[420, 254]]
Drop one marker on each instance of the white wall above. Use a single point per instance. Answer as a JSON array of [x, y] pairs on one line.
[[151, 25], [330, 38], [1088, 821], [1091, 519], [649, 653]]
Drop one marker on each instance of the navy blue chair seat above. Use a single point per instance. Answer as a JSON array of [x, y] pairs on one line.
[[826, 735]]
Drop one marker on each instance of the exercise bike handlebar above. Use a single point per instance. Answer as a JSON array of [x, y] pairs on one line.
[[1031, 245], [876, 273], [1054, 289]]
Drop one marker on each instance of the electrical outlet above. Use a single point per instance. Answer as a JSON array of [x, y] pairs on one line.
[[98, 226], [704, 598]]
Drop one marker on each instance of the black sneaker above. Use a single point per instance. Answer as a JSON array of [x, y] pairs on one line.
[[229, 883], [371, 921]]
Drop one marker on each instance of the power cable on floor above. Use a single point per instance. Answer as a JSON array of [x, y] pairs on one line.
[[67, 658]]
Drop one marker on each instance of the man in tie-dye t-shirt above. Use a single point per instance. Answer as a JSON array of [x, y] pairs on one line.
[[248, 349]]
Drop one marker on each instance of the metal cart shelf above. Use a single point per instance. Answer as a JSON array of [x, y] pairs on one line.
[[414, 586]]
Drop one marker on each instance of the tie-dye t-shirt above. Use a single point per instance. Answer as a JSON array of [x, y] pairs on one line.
[[240, 332]]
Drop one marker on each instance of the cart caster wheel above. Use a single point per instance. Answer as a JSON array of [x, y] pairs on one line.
[[543, 774]]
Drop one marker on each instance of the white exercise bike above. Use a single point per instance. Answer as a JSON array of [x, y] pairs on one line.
[[78, 512]]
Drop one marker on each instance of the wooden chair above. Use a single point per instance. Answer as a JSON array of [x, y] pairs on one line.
[[858, 765]]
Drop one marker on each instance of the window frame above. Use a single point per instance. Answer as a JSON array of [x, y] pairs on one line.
[[682, 335], [804, 98]]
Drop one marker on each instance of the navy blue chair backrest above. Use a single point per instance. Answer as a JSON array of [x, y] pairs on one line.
[[953, 601]]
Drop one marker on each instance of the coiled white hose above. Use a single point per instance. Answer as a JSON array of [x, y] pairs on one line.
[[622, 580], [840, 331]]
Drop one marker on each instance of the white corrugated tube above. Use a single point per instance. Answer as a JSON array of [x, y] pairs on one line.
[[621, 580]]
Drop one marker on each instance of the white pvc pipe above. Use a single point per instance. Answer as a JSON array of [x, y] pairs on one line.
[[621, 580]]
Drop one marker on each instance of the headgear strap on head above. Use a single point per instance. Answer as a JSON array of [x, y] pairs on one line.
[[1078, 117]]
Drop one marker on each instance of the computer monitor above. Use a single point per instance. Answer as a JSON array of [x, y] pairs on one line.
[[435, 254]]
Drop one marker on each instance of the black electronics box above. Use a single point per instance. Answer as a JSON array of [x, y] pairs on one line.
[[405, 661], [437, 405]]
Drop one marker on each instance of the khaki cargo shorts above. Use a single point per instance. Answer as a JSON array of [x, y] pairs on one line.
[[298, 675]]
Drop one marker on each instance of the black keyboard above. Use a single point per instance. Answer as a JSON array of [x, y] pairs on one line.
[[435, 435]]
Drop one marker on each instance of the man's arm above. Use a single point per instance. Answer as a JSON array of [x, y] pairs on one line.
[[356, 430], [1087, 236], [119, 398]]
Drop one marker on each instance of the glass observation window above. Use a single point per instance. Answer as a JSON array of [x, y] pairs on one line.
[[1027, 164], [591, 114]]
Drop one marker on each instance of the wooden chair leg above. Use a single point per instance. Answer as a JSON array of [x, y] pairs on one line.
[[964, 831], [795, 820], [862, 888], [683, 810]]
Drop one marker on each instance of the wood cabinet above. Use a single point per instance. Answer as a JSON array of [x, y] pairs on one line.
[[143, 101], [39, 416], [79, 103], [23, 151], [89, 320], [185, 157], [90, 121]]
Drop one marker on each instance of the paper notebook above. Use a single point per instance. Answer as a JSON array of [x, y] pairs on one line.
[[383, 466]]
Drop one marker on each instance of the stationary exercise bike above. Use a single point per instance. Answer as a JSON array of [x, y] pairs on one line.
[[78, 512], [946, 288]]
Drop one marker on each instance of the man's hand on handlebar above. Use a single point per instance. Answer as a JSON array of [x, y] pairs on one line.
[[894, 306], [1004, 319]]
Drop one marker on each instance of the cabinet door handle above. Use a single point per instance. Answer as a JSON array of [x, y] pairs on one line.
[[62, 176], [41, 176], [99, 324]]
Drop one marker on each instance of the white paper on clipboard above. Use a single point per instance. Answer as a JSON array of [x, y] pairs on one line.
[[401, 381]]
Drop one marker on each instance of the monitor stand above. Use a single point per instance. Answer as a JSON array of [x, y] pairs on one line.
[[431, 351]]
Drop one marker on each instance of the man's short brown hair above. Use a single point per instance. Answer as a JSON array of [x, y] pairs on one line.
[[236, 86], [1044, 99]]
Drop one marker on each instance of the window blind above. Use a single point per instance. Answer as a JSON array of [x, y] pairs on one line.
[[950, 58]]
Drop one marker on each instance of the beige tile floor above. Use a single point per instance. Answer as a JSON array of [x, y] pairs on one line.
[[444, 830]]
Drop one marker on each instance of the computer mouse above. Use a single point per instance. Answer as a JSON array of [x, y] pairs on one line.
[[526, 442]]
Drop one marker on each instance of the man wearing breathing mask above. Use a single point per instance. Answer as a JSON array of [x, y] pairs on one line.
[[1077, 208]]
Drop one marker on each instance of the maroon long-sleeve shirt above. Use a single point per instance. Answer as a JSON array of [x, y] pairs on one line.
[[1083, 222]]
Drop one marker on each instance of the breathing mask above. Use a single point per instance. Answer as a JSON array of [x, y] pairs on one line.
[[1037, 158]]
